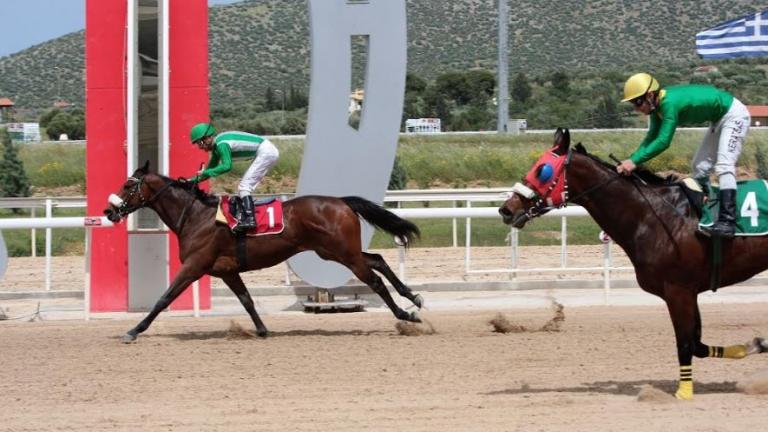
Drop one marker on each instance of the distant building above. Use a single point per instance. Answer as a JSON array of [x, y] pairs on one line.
[[24, 131], [703, 70], [423, 125], [6, 110], [62, 104], [759, 114]]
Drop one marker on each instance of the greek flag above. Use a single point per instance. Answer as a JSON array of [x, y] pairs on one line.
[[743, 37]]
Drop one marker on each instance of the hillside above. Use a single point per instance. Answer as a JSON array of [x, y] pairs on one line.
[[270, 48]]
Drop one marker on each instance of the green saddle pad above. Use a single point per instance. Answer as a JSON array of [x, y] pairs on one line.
[[751, 208]]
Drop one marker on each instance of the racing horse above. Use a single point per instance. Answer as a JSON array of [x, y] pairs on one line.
[[327, 225], [655, 223]]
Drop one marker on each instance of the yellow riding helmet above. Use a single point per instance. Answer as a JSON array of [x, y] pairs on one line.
[[638, 85]]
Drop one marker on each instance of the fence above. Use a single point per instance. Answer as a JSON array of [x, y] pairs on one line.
[[455, 196]]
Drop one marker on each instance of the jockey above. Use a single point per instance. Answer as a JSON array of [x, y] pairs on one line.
[[227, 146], [688, 105]]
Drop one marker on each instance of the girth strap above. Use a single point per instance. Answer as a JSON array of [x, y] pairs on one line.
[[241, 255]]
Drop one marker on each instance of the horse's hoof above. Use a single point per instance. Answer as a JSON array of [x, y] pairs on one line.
[[261, 333], [757, 346], [128, 338], [414, 317], [418, 300]]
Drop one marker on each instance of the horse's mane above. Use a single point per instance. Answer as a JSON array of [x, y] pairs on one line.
[[645, 174], [204, 197]]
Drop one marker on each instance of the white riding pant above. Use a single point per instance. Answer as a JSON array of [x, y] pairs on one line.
[[266, 157], [722, 145]]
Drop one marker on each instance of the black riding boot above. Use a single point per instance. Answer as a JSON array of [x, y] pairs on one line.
[[246, 220], [726, 218]]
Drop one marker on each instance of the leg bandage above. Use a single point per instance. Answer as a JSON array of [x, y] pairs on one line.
[[685, 388], [731, 352]]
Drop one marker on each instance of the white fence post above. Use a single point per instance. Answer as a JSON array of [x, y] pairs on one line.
[[467, 240], [33, 235], [48, 234], [455, 230]]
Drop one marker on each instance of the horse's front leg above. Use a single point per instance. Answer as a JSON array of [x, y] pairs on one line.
[[186, 275], [682, 306]]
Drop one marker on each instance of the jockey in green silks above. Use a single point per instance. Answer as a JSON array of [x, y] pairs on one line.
[[228, 146], [688, 105]]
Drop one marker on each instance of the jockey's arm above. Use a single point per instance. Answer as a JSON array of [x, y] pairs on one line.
[[220, 163], [657, 140]]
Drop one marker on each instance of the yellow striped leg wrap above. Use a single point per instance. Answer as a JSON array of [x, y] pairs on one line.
[[731, 352], [685, 388]]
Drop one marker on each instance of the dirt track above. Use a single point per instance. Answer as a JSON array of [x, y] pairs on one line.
[[355, 372]]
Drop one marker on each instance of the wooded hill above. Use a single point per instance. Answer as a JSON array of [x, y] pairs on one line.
[[258, 44]]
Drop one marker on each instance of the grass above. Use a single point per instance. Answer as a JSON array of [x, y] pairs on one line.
[[458, 161]]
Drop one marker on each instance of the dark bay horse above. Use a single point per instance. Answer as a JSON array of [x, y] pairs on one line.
[[653, 221], [327, 225]]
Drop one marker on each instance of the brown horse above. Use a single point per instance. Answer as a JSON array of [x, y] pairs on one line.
[[653, 221], [327, 225]]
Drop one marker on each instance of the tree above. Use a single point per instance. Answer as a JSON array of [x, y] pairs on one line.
[[399, 177], [606, 113], [561, 81], [521, 88], [414, 83], [269, 100], [13, 178], [71, 123], [481, 85]]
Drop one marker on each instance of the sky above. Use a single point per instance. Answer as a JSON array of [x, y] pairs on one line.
[[30, 22]]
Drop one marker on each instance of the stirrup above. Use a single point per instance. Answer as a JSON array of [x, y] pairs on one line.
[[719, 230]]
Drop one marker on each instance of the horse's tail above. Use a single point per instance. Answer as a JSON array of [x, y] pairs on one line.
[[383, 219]]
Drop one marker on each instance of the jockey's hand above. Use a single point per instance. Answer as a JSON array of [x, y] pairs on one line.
[[626, 167]]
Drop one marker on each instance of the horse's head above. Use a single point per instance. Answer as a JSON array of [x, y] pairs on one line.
[[543, 188], [133, 195]]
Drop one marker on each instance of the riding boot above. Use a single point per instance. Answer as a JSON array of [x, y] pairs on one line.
[[726, 218], [246, 220]]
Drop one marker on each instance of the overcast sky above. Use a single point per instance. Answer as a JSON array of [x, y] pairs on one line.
[[30, 22]]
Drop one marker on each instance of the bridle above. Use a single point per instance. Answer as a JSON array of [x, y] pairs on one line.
[[123, 208], [543, 203]]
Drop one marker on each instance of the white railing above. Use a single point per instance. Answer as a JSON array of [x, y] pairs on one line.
[[493, 212], [466, 196], [86, 222]]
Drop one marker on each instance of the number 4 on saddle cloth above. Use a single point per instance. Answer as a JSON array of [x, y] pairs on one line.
[[268, 214], [751, 208]]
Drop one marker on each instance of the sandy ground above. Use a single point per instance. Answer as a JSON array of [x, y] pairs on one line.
[[421, 265], [351, 372]]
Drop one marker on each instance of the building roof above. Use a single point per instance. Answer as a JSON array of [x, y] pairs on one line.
[[5, 102], [758, 110]]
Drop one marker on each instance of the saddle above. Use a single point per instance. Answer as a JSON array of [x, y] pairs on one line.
[[751, 208], [268, 214]]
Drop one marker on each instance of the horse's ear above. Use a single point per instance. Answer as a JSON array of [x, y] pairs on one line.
[[580, 148], [145, 168], [562, 140]]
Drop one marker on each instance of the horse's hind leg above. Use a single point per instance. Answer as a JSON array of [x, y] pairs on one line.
[[377, 262], [364, 272], [235, 283], [183, 279], [701, 350]]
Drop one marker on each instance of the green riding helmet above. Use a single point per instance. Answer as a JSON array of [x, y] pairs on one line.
[[200, 131]]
